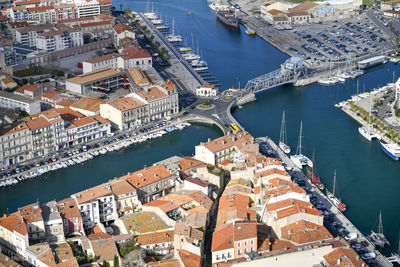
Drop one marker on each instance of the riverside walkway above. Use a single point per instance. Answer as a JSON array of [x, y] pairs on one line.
[[339, 216]]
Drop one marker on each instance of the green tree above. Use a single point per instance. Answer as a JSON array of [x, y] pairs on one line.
[[116, 261]]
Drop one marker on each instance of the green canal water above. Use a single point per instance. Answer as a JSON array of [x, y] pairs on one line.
[[367, 180]]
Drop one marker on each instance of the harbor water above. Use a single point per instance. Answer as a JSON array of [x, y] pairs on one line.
[[367, 180]]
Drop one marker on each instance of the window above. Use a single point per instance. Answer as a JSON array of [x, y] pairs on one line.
[[245, 243], [252, 242], [238, 244], [218, 257], [239, 252], [223, 256], [245, 250], [229, 255]]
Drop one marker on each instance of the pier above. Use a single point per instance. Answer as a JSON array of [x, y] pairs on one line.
[[297, 173]]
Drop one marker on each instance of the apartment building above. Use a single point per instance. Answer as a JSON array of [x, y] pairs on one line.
[[71, 216], [151, 183], [32, 216], [13, 101], [30, 90], [13, 235], [49, 37], [125, 112], [15, 144], [122, 31], [53, 223], [105, 79], [87, 106], [42, 137], [161, 243], [224, 148]]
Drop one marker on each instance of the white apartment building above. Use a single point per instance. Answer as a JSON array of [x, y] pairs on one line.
[[13, 235], [13, 101], [15, 144], [53, 223]]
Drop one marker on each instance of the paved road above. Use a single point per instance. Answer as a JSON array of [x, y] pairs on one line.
[[339, 217], [379, 24]]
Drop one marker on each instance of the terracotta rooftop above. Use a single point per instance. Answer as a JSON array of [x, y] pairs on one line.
[[239, 140], [164, 205], [31, 213], [303, 7], [222, 238], [304, 232], [235, 200], [119, 28], [151, 94], [155, 238], [135, 52], [14, 222], [94, 76], [40, 8], [189, 162], [342, 257], [88, 103], [50, 94], [84, 121], [147, 176], [295, 209], [98, 236], [197, 182], [103, 58], [122, 187], [96, 23], [274, 11], [13, 129], [125, 103], [105, 249], [29, 87], [165, 263], [63, 254], [169, 85], [68, 208], [189, 259]]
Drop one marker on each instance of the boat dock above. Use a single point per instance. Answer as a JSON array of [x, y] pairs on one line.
[[180, 69], [339, 216]]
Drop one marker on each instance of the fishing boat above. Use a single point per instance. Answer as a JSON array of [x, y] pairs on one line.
[[314, 177], [283, 136], [335, 200], [228, 18], [299, 159], [378, 238], [392, 149]]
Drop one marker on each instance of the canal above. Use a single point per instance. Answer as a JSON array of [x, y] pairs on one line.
[[367, 180]]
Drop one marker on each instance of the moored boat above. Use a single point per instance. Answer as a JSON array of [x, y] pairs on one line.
[[393, 150], [228, 18], [335, 200]]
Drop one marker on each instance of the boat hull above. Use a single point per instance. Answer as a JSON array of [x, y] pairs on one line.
[[233, 22], [393, 156]]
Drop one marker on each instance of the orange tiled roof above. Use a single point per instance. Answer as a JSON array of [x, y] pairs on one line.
[[88, 103], [31, 213], [37, 123], [222, 238], [303, 232], [147, 176], [50, 94], [103, 58], [119, 28], [151, 94], [125, 103], [189, 259], [84, 121], [13, 129], [164, 205], [295, 209], [40, 8], [234, 200], [68, 208], [287, 203], [189, 162], [14, 222], [135, 52], [155, 238], [342, 257], [29, 87], [169, 85]]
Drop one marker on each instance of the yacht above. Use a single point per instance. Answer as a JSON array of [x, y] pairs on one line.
[[378, 238], [157, 21], [369, 133], [198, 63], [191, 56], [335, 200], [283, 136], [215, 7], [151, 15], [324, 81], [393, 150], [299, 159], [201, 69]]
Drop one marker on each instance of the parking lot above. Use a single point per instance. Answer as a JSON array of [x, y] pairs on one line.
[[338, 42]]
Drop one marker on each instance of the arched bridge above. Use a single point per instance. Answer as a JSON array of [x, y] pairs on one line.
[[289, 72]]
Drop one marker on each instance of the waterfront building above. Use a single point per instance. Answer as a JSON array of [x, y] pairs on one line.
[[125, 112], [13, 101], [15, 141], [122, 31], [207, 90], [126, 197], [160, 242], [53, 223], [152, 182], [87, 106], [71, 216], [42, 137], [105, 79], [32, 216], [13, 235], [224, 148]]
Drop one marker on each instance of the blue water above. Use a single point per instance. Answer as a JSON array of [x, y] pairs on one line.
[[367, 180]]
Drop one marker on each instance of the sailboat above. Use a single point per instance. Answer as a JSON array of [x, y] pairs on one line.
[[299, 159], [378, 238], [172, 38], [314, 178], [335, 200], [395, 257], [367, 131], [283, 136]]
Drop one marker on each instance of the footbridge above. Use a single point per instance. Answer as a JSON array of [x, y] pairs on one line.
[[289, 72]]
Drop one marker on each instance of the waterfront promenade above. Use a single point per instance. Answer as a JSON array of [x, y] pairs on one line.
[[340, 217]]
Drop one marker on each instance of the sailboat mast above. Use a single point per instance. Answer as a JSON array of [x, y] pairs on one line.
[[334, 182], [281, 137], [380, 225], [299, 148]]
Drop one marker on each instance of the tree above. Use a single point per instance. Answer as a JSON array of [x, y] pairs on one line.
[[116, 261]]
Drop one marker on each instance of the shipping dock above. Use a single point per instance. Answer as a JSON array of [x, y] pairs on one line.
[[339, 217]]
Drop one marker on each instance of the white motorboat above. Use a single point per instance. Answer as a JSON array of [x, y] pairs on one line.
[[299, 159]]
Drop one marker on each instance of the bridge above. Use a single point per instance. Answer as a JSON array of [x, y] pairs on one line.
[[289, 72]]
